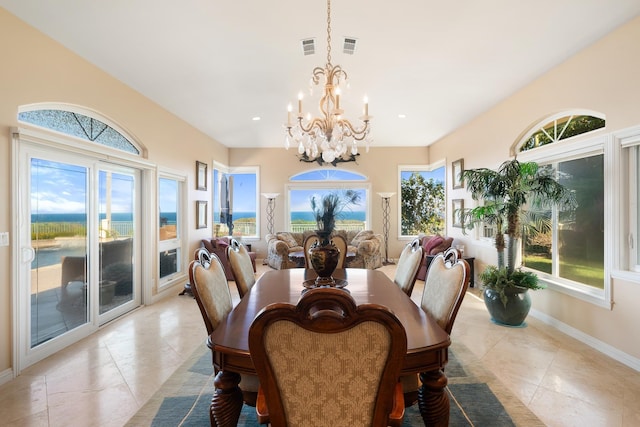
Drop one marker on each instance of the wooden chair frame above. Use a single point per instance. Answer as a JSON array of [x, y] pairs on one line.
[[327, 311]]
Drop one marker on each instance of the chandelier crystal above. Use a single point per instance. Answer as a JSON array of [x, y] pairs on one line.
[[330, 138]]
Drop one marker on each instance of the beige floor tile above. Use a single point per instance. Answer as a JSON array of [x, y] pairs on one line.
[[557, 409], [104, 379]]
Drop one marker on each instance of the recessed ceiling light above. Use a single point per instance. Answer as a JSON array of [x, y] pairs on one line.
[[256, 118], [402, 116]]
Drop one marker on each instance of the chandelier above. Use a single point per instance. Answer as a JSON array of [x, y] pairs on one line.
[[330, 138]]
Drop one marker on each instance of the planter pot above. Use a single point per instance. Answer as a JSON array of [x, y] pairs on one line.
[[516, 309], [107, 291]]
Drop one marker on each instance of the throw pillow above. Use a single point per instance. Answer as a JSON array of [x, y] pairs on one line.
[[222, 243], [432, 243], [288, 239], [443, 246]]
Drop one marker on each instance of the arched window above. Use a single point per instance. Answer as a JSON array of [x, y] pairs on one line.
[[74, 123], [322, 181], [566, 248], [559, 127]]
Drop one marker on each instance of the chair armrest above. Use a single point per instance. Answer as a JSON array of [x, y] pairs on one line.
[[261, 408], [279, 247], [397, 411], [370, 246]]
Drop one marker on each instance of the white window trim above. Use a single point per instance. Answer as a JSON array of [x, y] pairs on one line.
[[181, 225], [328, 185], [574, 148], [420, 168], [627, 143], [89, 113], [240, 170]]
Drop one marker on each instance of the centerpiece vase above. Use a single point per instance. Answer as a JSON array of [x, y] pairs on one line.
[[324, 257]]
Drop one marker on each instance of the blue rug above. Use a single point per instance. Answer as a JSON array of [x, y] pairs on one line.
[[185, 398]]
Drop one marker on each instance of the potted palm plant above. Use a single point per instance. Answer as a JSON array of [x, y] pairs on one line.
[[511, 196]]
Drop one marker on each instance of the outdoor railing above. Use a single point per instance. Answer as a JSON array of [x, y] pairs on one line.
[[348, 226]]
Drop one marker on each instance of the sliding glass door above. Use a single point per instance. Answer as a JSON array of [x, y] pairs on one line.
[[78, 247]]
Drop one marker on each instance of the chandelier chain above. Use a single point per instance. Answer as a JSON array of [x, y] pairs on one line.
[[328, 31], [329, 138]]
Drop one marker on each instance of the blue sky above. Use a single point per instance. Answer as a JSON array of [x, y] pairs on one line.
[[62, 188]]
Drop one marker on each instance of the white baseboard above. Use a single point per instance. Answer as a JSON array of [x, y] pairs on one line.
[[614, 353], [6, 376]]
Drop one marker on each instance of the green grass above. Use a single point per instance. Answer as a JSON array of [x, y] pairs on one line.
[[572, 269]]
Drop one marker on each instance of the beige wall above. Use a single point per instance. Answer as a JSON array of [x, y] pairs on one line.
[[602, 78], [380, 165], [37, 69]]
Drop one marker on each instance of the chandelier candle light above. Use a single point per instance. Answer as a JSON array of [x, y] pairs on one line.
[[326, 139]]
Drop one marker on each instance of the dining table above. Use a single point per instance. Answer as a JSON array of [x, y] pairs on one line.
[[427, 342]]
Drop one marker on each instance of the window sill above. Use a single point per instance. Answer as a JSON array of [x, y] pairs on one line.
[[596, 297], [626, 275]]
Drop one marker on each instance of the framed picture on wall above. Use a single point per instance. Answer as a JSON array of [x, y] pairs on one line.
[[457, 205], [201, 214], [457, 168], [201, 176]]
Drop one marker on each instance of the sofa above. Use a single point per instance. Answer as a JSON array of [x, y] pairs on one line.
[[365, 244], [431, 245], [218, 246]]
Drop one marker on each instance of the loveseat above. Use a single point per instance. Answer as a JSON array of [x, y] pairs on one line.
[[432, 245], [365, 244]]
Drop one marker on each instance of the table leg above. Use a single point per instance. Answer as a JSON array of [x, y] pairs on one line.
[[226, 403], [433, 400]]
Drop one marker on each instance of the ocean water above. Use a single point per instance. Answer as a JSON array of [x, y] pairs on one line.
[[171, 216]]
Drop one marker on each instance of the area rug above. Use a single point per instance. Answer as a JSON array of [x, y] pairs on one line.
[[476, 397]]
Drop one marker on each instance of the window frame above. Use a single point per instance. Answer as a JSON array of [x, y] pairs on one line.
[[577, 147], [627, 226], [179, 241], [422, 168], [323, 185], [220, 168]]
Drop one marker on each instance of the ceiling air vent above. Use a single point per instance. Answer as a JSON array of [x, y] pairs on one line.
[[349, 45], [308, 46]]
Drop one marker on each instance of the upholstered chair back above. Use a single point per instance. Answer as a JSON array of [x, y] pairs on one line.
[[211, 291], [408, 266], [241, 266], [340, 243], [306, 245], [445, 287], [328, 361]]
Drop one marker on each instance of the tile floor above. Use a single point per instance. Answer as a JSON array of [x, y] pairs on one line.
[[104, 379]]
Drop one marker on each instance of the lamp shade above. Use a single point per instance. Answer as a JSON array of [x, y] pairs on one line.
[[386, 195]]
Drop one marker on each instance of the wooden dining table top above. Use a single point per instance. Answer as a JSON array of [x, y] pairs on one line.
[[427, 342]]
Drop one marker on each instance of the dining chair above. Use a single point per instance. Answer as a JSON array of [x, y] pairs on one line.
[[308, 242], [211, 291], [241, 266], [210, 288], [340, 243], [329, 361], [408, 266], [445, 287]]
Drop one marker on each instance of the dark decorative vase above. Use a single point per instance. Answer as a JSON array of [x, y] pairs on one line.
[[516, 309], [324, 257]]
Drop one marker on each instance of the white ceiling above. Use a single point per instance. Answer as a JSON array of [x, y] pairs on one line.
[[217, 64]]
